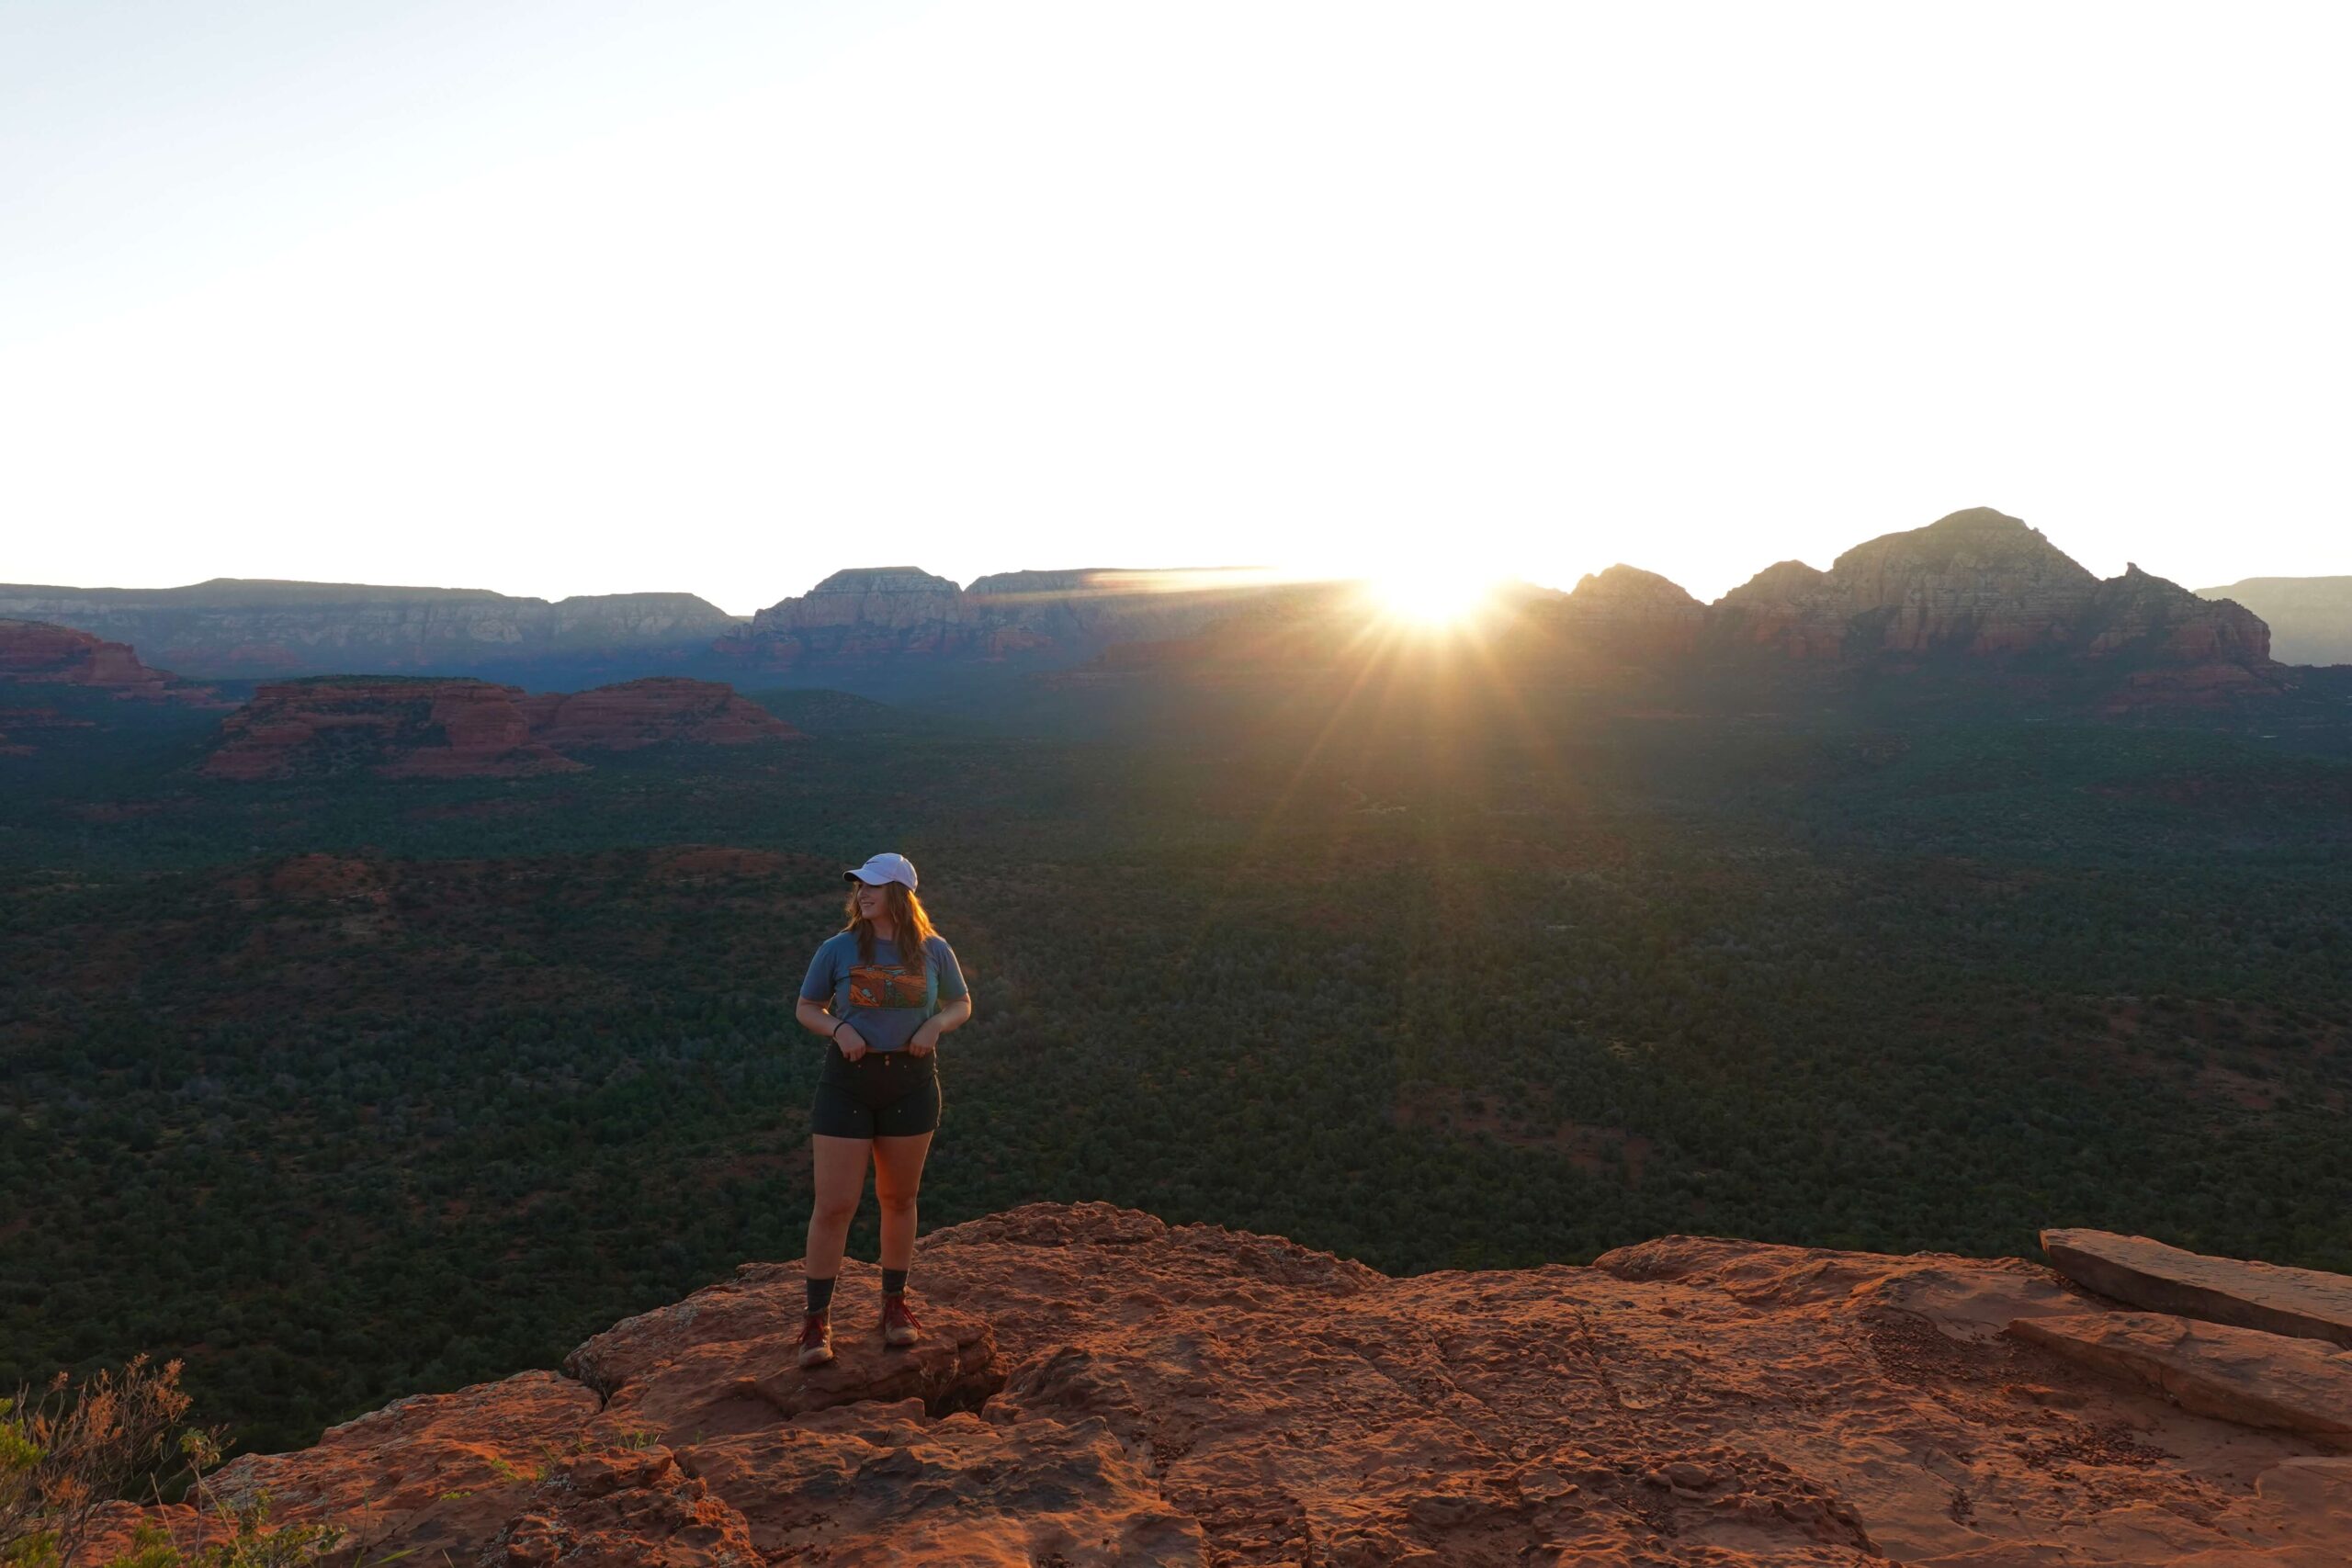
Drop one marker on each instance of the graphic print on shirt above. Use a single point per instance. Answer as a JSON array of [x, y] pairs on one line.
[[887, 986]]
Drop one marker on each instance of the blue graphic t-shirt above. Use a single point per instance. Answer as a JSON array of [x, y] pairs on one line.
[[886, 1002]]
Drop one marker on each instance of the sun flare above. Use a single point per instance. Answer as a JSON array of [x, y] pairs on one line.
[[1432, 596]]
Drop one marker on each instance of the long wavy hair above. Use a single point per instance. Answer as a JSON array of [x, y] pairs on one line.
[[911, 926]]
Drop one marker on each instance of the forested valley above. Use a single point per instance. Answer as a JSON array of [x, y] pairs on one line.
[[346, 1088]]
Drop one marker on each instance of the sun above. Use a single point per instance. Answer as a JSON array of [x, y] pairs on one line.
[[1429, 595]]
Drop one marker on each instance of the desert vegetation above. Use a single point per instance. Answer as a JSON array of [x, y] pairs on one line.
[[349, 1089]]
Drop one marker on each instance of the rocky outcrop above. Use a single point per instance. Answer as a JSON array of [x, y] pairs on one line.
[[1977, 591], [1630, 615], [2310, 617], [398, 727], [248, 628], [36, 653], [1980, 584], [1976, 581], [644, 712], [2303, 1303], [866, 613], [393, 725], [2146, 618], [1097, 1387]]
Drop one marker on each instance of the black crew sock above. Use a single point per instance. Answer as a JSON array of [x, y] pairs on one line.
[[821, 1295], [894, 1281]]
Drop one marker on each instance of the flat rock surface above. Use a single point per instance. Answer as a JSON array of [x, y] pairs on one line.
[[2150, 1274], [727, 1359], [2215, 1369], [1099, 1388]]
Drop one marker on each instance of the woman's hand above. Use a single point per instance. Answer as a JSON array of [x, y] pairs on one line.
[[925, 1040], [851, 1044]]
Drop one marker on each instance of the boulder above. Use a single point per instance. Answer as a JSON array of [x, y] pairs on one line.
[[2147, 1273]]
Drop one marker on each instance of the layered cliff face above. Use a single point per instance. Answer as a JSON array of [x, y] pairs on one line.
[[895, 613], [399, 727], [1976, 581], [1978, 584], [233, 628], [2310, 617], [36, 653], [1785, 608], [1632, 615], [1974, 588], [1095, 1387]]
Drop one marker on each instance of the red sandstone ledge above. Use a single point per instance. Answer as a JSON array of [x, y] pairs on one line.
[[1098, 1387]]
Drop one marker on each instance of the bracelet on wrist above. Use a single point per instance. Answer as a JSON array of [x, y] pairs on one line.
[[836, 1033]]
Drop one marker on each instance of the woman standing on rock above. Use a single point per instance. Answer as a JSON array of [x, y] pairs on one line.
[[881, 990]]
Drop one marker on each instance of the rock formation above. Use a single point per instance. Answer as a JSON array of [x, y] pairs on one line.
[[1976, 585], [399, 727], [1976, 581], [2310, 617], [892, 613], [246, 628], [2237, 1374], [36, 654], [642, 713], [1096, 1387], [1632, 616], [411, 727], [1979, 583], [2303, 1302], [1787, 608]]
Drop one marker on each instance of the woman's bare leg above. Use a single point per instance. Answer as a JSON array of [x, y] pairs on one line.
[[898, 1175], [840, 1166]]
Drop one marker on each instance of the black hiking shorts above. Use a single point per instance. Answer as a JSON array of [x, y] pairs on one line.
[[883, 1094]]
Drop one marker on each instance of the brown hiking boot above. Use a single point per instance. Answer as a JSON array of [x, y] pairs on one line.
[[898, 1325], [816, 1339]]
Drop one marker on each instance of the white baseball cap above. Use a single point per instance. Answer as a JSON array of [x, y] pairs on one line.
[[885, 868]]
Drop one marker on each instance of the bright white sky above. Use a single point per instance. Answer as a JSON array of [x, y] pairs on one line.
[[584, 296]]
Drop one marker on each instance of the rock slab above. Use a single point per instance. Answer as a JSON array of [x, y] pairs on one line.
[[2145, 1273], [2214, 1368]]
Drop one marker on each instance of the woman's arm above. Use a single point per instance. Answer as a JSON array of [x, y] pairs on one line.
[[813, 1017], [954, 1016]]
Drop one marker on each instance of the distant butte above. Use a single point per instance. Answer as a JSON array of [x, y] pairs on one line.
[[409, 726], [253, 628], [36, 654]]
